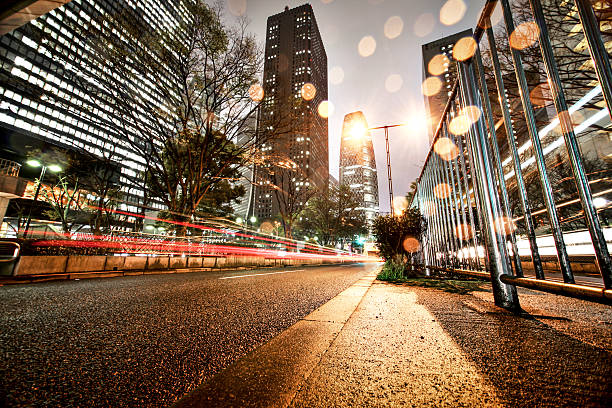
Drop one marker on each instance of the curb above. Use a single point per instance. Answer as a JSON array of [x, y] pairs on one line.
[[272, 374]]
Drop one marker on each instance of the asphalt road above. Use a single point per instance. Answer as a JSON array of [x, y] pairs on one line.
[[145, 341]]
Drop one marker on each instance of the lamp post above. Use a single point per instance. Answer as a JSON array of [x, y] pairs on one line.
[[386, 128], [43, 169]]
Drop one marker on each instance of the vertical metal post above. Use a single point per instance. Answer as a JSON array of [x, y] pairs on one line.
[[466, 184], [458, 224], [389, 170], [555, 226], [425, 239], [600, 56], [499, 264], [450, 202], [464, 224], [448, 242], [582, 182], [516, 160], [433, 214], [505, 200]]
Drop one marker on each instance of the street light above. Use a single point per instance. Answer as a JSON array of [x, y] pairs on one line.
[[357, 128], [386, 127], [43, 169]]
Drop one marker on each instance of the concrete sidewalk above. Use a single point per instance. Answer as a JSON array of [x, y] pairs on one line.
[[378, 344]]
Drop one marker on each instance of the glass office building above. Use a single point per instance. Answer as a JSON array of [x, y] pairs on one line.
[[30, 68]]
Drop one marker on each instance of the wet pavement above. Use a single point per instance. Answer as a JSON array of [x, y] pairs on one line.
[[145, 341], [397, 345]]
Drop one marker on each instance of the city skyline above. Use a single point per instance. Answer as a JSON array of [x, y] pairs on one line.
[[359, 83]]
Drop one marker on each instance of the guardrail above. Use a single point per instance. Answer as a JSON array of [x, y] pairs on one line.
[[474, 178]]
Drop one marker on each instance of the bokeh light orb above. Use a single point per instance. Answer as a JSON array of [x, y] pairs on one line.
[[452, 12], [472, 113], [524, 35], [308, 91], [411, 245], [394, 27], [431, 86], [464, 49], [394, 83], [326, 109], [367, 46], [256, 92], [237, 7], [424, 25], [446, 148], [438, 64], [442, 190], [540, 95], [459, 125]]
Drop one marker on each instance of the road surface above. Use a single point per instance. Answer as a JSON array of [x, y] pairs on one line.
[[145, 341]]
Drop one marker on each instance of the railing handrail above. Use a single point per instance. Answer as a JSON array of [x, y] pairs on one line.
[[485, 15], [9, 168]]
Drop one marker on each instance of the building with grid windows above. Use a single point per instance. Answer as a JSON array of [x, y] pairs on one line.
[[358, 165], [443, 67], [29, 68], [295, 84]]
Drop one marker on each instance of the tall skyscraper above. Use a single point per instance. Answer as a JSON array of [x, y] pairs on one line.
[[295, 84], [358, 164], [28, 119], [438, 62]]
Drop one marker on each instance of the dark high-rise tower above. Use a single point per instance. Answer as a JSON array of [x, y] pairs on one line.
[[295, 84], [443, 67]]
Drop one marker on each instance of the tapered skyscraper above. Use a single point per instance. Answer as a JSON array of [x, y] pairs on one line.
[[295, 84], [358, 164]]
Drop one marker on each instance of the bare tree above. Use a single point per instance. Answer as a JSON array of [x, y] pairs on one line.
[[175, 100]]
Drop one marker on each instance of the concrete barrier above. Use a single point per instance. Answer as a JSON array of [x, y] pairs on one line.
[[94, 265], [209, 262], [158, 262], [36, 265], [178, 262], [194, 262], [84, 263], [135, 263], [115, 263]]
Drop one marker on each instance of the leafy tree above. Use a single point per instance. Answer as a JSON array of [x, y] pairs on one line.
[[400, 236], [333, 216]]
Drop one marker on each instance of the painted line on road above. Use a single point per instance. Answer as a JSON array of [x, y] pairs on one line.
[[260, 274]]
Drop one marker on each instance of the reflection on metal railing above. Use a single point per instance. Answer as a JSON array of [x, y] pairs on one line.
[[462, 190], [9, 168]]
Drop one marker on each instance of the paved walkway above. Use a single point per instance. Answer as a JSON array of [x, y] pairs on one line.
[[378, 344]]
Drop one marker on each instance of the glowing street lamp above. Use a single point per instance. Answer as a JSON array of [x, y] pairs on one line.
[[43, 169], [357, 128]]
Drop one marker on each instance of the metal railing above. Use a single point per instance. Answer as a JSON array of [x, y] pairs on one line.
[[9, 168], [474, 178]]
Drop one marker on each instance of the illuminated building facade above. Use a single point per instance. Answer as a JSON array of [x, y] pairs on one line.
[[28, 67], [295, 68], [358, 164]]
